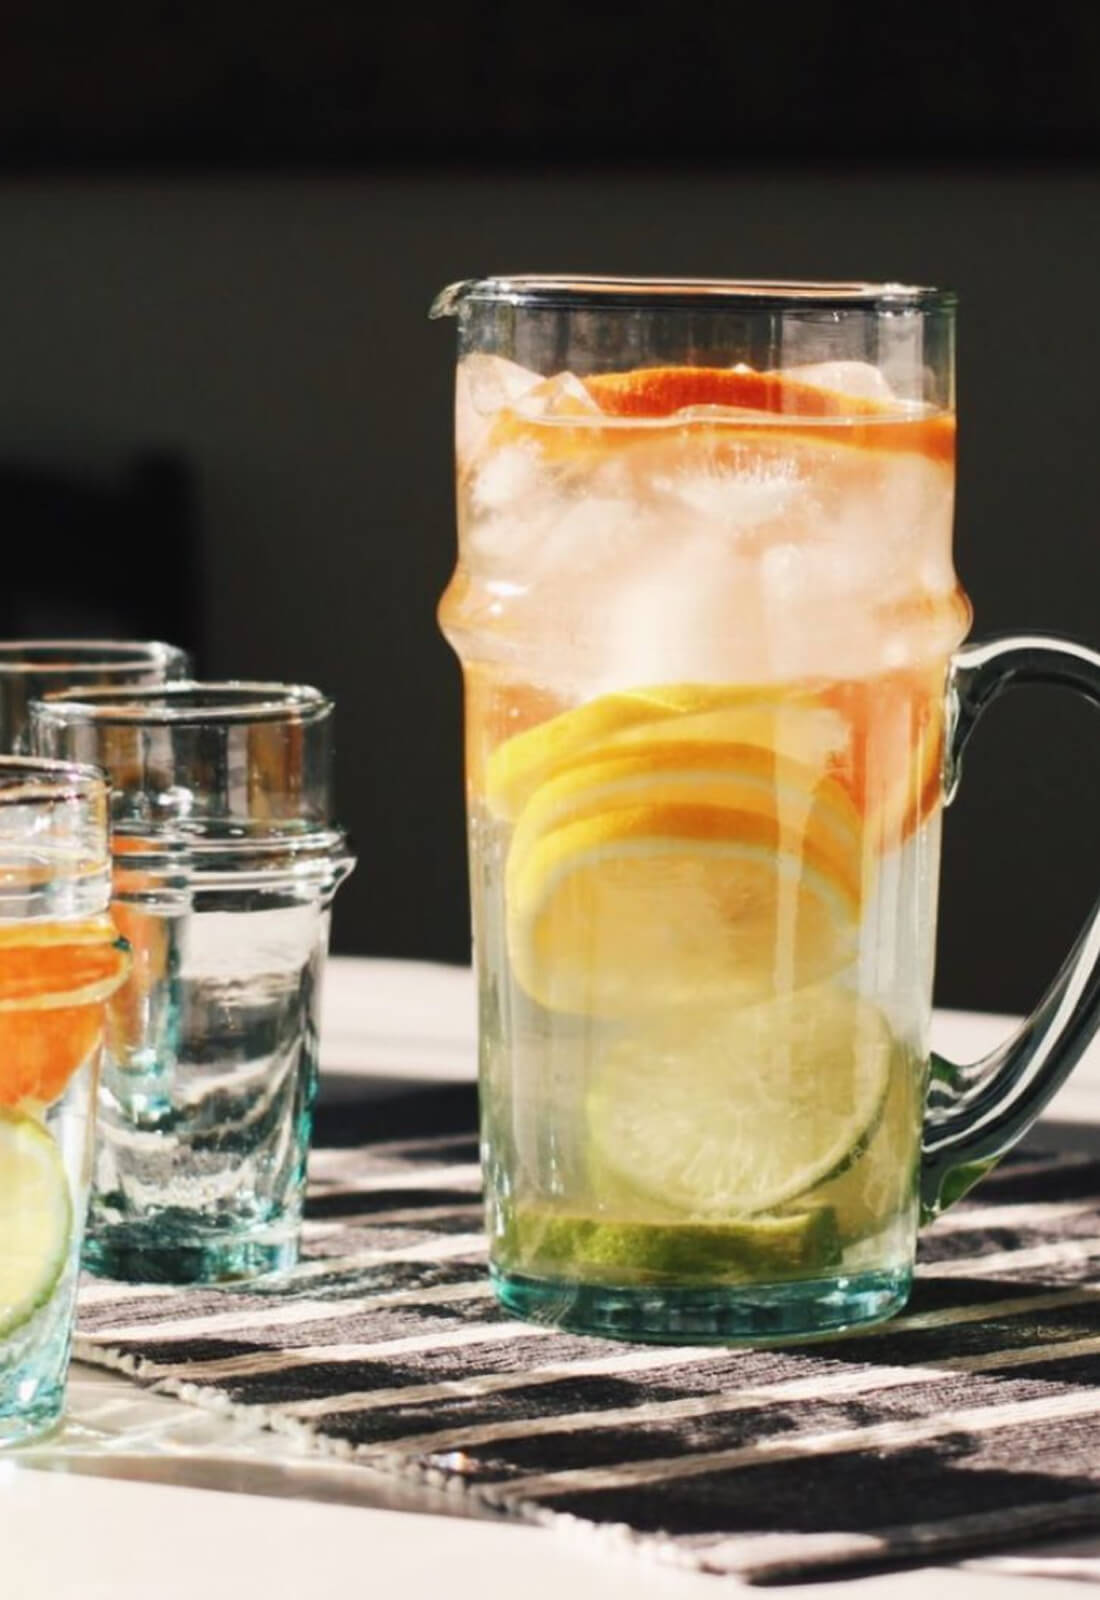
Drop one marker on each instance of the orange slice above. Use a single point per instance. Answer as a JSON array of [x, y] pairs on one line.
[[727, 403], [878, 424], [893, 766], [54, 980], [661, 391]]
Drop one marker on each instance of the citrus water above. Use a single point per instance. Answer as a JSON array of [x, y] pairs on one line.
[[704, 616], [55, 977]]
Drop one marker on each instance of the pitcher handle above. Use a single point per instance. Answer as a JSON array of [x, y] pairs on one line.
[[976, 1112]]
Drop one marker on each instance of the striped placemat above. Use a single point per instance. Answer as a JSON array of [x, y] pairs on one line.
[[971, 1421]]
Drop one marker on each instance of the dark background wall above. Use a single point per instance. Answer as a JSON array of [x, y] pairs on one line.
[[222, 248]]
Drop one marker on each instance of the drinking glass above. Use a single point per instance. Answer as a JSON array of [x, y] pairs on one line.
[[33, 668], [715, 701], [225, 863], [60, 959]]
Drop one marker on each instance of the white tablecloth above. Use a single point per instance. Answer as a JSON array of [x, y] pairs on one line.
[[143, 1498]]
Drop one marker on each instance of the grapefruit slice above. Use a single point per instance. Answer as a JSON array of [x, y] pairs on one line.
[[54, 979]]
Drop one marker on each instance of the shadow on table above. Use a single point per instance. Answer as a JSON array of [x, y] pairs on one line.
[[1050, 1134], [114, 1431], [354, 1111]]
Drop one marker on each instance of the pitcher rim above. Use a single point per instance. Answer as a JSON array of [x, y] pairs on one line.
[[579, 291]]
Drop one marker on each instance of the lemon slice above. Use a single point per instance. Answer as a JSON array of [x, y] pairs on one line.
[[746, 778], [552, 1242], [659, 904], [795, 724], [35, 1218], [881, 739], [516, 768], [729, 713], [741, 1111]]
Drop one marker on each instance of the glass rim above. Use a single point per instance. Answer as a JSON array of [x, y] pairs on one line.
[[570, 291], [213, 703], [41, 656], [28, 778]]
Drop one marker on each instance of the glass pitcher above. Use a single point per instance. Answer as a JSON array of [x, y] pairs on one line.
[[715, 702]]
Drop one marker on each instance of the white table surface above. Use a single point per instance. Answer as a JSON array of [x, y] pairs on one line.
[[144, 1496]]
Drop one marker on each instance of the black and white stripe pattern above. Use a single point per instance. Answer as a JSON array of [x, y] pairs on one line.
[[971, 1420]]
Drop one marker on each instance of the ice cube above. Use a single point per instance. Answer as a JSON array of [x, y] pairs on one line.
[[505, 477], [859, 379], [517, 475], [682, 609], [563, 395], [540, 535], [484, 385], [735, 502]]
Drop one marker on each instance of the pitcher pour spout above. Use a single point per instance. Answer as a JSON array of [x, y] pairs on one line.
[[449, 301]]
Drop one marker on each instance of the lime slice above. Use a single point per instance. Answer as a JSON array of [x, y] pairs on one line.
[[882, 1181], [35, 1218], [730, 1114], [561, 1244]]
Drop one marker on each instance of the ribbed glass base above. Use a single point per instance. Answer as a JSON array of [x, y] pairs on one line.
[[726, 1314], [151, 1252]]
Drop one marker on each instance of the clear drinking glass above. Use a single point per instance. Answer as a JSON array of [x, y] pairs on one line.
[[226, 860], [710, 627], [60, 959], [30, 669]]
